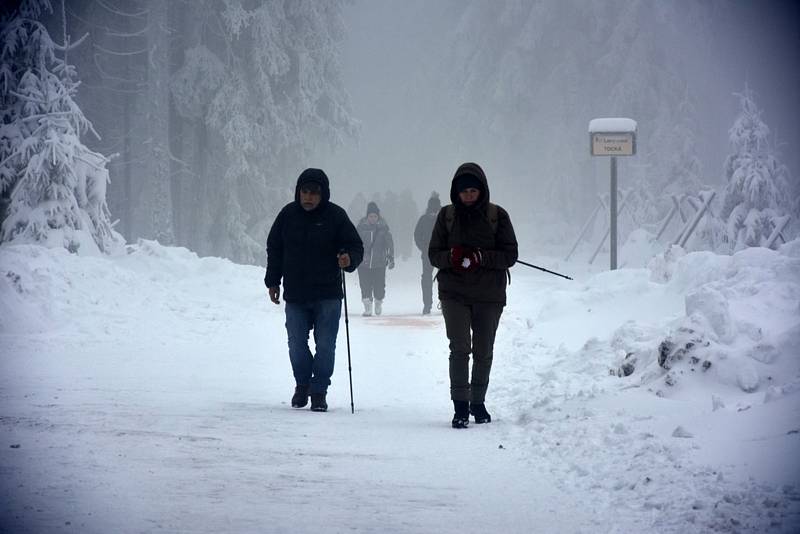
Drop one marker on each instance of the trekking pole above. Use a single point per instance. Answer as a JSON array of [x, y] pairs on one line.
[[543, 269], [347, 331]]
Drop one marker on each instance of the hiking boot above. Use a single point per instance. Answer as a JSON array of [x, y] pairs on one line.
[[367, 307], [461, 415], [378, 306], [300, 397], [478, 410], [318, 403]]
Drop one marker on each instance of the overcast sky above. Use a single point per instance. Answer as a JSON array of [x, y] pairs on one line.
[[390, 43]]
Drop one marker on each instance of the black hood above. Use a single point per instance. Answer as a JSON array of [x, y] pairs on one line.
[[434, 204], [314, 175], [475, 170]]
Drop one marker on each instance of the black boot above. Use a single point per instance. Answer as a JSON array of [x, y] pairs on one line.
[[478, 410], [461, 417], [318, 403], [300, 397]]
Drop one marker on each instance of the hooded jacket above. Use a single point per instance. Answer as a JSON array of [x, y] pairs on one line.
[[302, 246], [378, 243], [471, 228]]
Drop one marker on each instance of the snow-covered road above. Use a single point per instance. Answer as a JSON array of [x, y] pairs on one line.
[[150, 393]]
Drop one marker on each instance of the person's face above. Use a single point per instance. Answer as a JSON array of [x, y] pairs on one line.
[[469, 196], [309, 199], [372, 218]]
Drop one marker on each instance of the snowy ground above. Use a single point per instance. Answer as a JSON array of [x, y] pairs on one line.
[[150, 392]]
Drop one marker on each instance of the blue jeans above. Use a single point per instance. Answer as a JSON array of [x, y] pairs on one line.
[[323, 317]]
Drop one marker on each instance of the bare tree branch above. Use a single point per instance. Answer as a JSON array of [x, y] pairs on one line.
[[108, 76], [115, 53], [67, 48], [142, 13]]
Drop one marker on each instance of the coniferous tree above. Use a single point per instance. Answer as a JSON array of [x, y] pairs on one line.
[[114, 75], [263, 79], [757, 190], [684, 170], [155, 204], [213, 107], [55, 185]]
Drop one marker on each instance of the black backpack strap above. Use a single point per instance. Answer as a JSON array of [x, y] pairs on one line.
[[450, 217], [491, 214]]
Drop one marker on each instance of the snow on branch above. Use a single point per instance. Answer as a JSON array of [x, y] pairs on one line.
[[57, 185]]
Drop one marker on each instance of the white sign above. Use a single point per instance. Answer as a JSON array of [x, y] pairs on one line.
[[613, 144]]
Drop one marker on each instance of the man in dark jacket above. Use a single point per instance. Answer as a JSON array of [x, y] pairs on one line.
[[473, 245], [309, 243], [422, 238]]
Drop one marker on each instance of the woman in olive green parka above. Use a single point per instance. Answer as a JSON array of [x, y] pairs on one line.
[[473, 245]]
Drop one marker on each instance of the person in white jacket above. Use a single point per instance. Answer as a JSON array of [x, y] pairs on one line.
[[378, 254]]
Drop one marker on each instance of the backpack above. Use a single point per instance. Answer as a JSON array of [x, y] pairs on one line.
[[491, 216]]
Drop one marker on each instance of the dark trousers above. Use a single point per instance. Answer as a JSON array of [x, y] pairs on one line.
[[427, 283], [470, 328], [372, 282]]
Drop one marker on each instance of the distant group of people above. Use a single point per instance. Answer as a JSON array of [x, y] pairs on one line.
[[379, 255], [471, 242]]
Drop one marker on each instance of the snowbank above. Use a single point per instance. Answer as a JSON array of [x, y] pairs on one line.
[[661, 399]]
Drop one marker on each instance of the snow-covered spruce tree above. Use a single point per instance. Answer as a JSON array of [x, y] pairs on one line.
[[55, 185], [155, 205], [684, 170], [685, 177], [756, 194], [267, 89]]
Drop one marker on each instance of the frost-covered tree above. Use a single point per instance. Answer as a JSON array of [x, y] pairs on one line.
[[263, 78], [757, 190], [684, 170], [155, 190], [55, 185], [529, 75], [214, 107]]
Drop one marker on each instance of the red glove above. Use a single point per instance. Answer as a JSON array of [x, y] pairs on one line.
[[474, 258], [457, 257], [464, 259]]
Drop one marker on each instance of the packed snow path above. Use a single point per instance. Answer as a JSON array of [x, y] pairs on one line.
[[150, 393]]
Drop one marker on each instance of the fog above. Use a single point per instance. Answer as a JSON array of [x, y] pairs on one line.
[[391, 96], [399, 70]]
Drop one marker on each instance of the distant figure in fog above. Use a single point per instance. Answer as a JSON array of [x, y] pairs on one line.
[[473, 245], [378, 254], [310, 242], [422, 238]]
